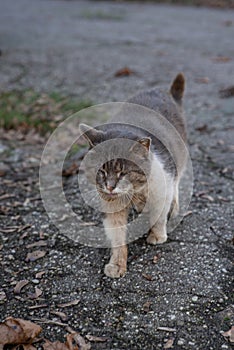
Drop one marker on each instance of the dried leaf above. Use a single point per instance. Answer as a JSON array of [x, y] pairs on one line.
[[38, 292], [37, 254], [229, 334], [72, 170], [70, 303], [39, 274], [147, 277], [188, 213], [57, 345], [39, 306], [156, 258], [82, 345], [22, 228], [95, 339], [124, 72], [202, 128], [20, 285], [24, 347], [166, 329], [169, 343], [206, 196], [9, 229], [146, 306], [226, 93], [37, 244], [202, 80], [221, 59], [18, 331], [60, 314], [6, 196], [74, 342]]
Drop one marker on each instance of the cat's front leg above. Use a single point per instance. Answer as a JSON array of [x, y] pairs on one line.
[[115, 228], [157, 233]]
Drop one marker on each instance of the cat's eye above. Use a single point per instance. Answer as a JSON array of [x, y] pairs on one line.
[[120, 174], [103, 173]]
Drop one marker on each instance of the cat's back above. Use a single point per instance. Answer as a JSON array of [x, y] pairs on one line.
[[167, 103]]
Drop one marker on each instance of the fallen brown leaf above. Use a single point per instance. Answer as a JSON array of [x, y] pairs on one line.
[[74, 342], [169, 343], [20, 285], [202, 80], [146, 306], [57, 345], [70, 303], [39, 306], [156, 258], [123, 72], [37, 254], [209, 198], [202, 128], [166, 329], [39, 274], [221, 59], [37, 244], [147, 277], [6, 196], [38, 292], [226, 93], [229, 334], [72, 170], [18, 331], [188, 213], [24, 347], [60, 314], [82, 345]]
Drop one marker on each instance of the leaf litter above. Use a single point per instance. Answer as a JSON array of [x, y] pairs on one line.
[[22, 334], [20, 285], [35, 255]]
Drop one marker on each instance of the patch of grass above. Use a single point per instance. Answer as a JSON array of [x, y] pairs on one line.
[[102, 15], [24, 110]]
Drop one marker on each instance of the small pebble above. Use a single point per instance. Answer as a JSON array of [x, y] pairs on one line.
[[195, 298], [35, 281]]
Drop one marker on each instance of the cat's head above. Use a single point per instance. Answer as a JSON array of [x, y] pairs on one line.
[[117, 176]]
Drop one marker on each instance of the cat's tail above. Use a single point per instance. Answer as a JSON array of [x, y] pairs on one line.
[[178, 87]]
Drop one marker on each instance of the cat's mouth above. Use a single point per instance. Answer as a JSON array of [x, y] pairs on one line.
[[109, 195]]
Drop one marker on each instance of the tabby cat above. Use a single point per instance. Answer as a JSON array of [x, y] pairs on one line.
[[149, 174]]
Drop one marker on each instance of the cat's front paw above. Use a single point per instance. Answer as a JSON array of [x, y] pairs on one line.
[[114, 271], [156, 238]]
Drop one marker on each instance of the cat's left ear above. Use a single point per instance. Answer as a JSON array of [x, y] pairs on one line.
[[141, 147], [92, 135]]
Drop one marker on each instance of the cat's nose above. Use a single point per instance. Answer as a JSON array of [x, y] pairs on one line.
[[110, 188], [110, 185]]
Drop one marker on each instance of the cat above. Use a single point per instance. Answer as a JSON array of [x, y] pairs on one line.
[[149, 175]]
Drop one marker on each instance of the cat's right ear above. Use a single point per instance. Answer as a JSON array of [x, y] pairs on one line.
[[92, 135]]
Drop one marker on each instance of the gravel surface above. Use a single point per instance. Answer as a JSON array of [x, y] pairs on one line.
[[75, 48]]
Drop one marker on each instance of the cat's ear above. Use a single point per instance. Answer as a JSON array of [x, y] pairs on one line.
[[177, 88], [92, 135], [141, 147]]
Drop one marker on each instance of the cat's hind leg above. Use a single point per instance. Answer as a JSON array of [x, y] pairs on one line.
[[160, 207], [175, 206]]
